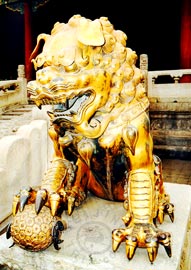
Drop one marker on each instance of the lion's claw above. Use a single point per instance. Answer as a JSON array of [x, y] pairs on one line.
[[152, 247], [75, 196], [71, 204], [26, 195], [165, 207], [68, 198], [15, 204], [169, 210], [131, 245], [41, 198], [118, 236], [55, 200], [143, 236], [165, 240]]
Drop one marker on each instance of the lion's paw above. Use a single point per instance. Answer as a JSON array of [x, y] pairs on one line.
[[142, 236]]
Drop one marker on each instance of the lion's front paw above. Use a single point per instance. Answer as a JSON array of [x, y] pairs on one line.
[[143, 236], [64, 199], [39, 197]]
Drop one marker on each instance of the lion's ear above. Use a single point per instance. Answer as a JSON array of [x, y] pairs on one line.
[[90, 32]]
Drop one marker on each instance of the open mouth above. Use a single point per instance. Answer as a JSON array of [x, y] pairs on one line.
[[72, 110], [72, 106]]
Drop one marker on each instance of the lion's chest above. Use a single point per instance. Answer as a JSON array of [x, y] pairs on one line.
[[107, 165]]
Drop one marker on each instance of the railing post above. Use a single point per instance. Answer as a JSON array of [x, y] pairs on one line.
[[23, 84], [21, 71], [144, 69]]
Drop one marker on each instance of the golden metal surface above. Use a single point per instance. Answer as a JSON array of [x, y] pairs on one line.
[[100, 130]]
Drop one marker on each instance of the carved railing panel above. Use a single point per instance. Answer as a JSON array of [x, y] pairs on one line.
[[170, 111], [13, 92]]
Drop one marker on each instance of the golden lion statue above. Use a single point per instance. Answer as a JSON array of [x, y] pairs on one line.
[[101, 136]]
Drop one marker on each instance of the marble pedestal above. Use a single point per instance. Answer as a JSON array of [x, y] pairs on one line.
[[88, 244]]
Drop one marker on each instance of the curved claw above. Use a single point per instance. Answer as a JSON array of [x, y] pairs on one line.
[[166, 209], [165, 240], [118, 236], [56, 234], [15, 205], [71, 204], [152, 248], [169, 209], [131, 245], [54, 203], [24, 196], [41, 198]]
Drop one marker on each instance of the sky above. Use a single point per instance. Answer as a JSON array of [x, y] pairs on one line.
[[152, 27]]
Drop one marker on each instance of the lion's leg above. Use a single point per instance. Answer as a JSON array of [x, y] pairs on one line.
[[141, 179], [69, 182], [141, 194]]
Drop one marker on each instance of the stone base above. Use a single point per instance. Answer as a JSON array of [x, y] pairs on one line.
[[88, 242]]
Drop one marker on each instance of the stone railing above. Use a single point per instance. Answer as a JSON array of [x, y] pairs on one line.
[[169, 93], [169, 88], [13, 92], [170, 107]]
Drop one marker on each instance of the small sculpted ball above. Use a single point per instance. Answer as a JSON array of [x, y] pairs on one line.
[[32, 231]]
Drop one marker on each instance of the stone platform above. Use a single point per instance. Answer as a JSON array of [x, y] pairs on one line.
[[88, 244]]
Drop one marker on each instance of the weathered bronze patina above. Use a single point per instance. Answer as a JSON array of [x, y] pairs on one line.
[[100, 131]]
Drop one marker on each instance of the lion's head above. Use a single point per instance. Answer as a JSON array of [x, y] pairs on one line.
[[86, 67]]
